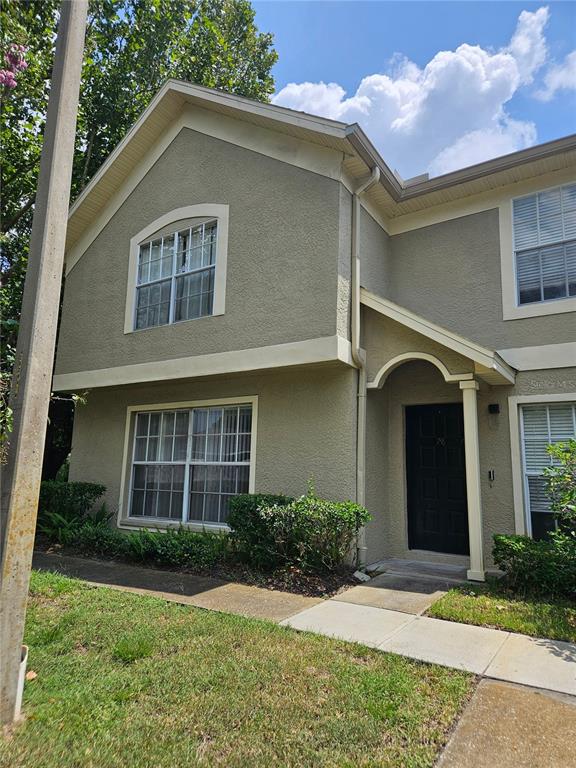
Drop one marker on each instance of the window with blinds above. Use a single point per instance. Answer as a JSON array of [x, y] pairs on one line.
[[541, 425], [544, 226], [187, 464]]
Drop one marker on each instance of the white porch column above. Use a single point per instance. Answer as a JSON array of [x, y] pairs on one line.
[[472, 451]]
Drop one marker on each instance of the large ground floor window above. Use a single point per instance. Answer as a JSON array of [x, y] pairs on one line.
[[543, 424], [188, 463]]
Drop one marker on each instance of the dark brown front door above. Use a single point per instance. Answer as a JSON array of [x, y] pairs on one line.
[[436, 478]]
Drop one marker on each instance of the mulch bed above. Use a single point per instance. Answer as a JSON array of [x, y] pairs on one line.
[[285, 580], [290, 580]]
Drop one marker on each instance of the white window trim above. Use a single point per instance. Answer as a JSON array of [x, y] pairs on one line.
[[204, 210], [523, 523], [511, 310], [130, 523]]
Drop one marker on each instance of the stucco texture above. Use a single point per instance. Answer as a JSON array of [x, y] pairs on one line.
[[306, 428], [376, 253], [450, 274], [384, 339], [283, 255]]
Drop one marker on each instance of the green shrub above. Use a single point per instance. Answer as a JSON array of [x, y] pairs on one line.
[[179, 547], [561, 482], [544, 567], [72, 501], [252, 535], [64, 471], [58, 528], [96, 537], [141, 545], [311, 533]]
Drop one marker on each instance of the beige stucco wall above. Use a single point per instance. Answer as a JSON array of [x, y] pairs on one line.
[[384, 339], [450, 274], [306, 428], [376, 254], [419, 382], [344, 262], [283, 259]]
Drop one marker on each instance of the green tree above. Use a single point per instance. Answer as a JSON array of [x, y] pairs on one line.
[[132, 47], [561, 482]]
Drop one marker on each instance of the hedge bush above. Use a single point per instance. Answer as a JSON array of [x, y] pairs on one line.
[[179, 547], [311, 533], [71, 501], [98, 538], [544, 567], [267, 531], [251, 534]]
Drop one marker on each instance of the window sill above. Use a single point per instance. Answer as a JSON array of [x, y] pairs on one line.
[[137, 523], [175, 323], [540, 309]]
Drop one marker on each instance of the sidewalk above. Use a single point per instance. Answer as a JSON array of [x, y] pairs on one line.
[[540, 663], [357, 615], [508, 726], [185, 588]]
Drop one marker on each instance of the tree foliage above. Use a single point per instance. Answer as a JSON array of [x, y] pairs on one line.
[[561, 483], [132, 47]]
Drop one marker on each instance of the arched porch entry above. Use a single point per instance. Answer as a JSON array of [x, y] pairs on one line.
[[423, 459], [422, 407]]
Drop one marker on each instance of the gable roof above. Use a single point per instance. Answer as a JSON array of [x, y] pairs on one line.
[[487, 363], [391, 195]]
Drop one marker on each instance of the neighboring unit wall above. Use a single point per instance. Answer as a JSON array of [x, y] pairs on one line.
[[450, 274], [306, 428], [375, 256], [282, 272]]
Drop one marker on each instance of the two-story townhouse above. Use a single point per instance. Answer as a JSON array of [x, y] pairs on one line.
[[253, 299]]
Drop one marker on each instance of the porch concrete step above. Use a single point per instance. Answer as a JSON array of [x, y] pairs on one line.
[[454, 574]]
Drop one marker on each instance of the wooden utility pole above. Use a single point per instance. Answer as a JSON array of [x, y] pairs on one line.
[[31, 380]]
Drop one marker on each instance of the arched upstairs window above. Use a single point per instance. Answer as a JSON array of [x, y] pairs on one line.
[[178, 268]]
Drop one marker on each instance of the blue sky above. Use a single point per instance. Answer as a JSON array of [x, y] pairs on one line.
[[436, 85]]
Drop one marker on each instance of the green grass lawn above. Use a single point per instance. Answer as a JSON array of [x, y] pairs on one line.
[[124, 680], [492, 606]]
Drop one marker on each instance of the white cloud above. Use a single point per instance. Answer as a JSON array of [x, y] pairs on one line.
[[477, 146], [444, 116], [559, 77], [528, 44]]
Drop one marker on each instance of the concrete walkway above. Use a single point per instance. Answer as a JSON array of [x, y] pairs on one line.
[[407, 593], [541, 663], [185, 588], [508, 726]]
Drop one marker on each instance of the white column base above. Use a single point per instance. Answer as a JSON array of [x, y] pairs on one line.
[[476, 575]]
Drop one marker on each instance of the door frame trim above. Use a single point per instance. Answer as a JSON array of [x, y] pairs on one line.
[[440, 404]]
